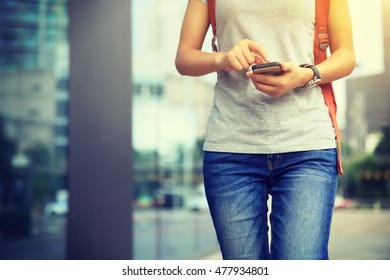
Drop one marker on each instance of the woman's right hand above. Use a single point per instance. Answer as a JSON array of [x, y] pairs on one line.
[[241, 56]]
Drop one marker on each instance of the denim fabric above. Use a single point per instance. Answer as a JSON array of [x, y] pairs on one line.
[[302, 186]]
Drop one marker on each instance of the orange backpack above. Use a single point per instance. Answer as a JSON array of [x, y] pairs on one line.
[[320, 45]]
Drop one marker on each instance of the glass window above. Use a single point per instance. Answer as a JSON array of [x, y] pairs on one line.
[[169, 115], [33, 194]]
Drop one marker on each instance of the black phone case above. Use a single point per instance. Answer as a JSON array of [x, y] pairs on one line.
[[272, 68]]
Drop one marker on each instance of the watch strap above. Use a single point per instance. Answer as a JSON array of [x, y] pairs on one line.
[[316, 78]]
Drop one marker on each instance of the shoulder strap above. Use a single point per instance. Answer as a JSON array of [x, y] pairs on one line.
[[213, 23], [321, 42]]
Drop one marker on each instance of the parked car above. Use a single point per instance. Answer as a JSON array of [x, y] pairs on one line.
[[198, 201], [56, 208], [59, 206], [169, 198]]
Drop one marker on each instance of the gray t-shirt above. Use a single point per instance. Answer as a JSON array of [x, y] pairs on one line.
[[245, 120]]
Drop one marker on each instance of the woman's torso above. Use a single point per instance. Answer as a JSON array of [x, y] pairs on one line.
[[248, 121]]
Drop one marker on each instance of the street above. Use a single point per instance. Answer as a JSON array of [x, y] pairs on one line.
[[167, 235], [360, 235], [356, 235]]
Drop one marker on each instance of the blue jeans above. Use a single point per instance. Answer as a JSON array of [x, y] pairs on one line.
[[303, 188]]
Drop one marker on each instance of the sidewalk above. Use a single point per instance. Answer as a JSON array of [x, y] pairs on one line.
[[355, 235], [215, 256]]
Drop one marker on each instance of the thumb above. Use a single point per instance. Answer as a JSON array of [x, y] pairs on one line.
[[286, 66]]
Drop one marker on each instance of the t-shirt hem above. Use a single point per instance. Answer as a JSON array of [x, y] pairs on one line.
[[265, 150]]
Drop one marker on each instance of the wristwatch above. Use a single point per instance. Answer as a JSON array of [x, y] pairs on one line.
[[316, 78]]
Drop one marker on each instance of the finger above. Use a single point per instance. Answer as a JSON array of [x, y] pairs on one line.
[[249, 73], [255, 47], [234, 63], [242, 59], [256, 78], [250, 57], [262, 78], [264, 87], [259, 59], [272, 91]]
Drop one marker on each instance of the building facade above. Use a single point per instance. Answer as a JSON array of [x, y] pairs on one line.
[[368, 97], [34, 66]]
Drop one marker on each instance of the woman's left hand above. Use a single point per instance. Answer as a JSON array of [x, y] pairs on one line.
[[276, 86]]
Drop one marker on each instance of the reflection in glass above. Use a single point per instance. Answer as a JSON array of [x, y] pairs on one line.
[[33, 125], [169, 122]]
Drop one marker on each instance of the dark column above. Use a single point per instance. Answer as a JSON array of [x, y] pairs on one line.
[[100, 164]]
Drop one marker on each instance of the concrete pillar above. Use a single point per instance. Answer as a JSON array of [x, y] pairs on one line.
[[100, 163]]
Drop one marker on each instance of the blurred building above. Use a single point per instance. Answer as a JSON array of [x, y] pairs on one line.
[[34, 74], [170, 112], [26, 103], [368, 97]]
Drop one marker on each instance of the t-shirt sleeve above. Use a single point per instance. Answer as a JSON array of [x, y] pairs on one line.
[[203, 1]]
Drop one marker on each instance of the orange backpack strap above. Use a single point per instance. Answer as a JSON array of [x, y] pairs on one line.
[[211, 7], [321, 43]]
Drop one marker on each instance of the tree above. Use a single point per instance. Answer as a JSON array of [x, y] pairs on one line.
[[7, 151], [370, 177], [383, 148]]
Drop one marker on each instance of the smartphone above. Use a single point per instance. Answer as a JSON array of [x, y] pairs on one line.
[[268, 68]]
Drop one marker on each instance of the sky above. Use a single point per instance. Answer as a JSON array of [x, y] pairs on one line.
[[366, 17], [368, 36]]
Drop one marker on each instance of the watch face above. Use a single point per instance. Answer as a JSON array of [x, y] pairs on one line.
[[312, 83]]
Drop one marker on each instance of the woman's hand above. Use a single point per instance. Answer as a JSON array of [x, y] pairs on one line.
[[276, 86], [241, 56]]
